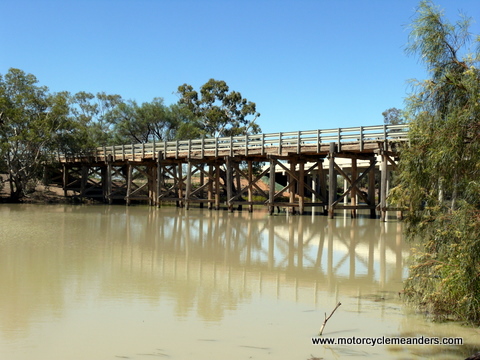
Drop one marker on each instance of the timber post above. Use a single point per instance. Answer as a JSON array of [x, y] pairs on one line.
[[65, 179], [292, 183], [332, 180], [353, 192], [202, 181], [210, 186], [180, 201], [250, 190], [129, 183], [383, 183], [301, 187], [109, 180], [160, 179], [271, 190], [371, 189], [217, 186], [323, 185], [188, 188], [238, 185], [229, 180]]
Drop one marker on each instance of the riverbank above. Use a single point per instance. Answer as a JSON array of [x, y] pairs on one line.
[[52, 194]]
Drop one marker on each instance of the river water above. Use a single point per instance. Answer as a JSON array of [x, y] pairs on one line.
[[114, 282]]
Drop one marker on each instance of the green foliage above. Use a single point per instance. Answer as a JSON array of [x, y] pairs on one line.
[[445, 277], [90, 114], [135, 123], [36, 125], [220, 112], [30, 121], [440, 169], [393, 116]]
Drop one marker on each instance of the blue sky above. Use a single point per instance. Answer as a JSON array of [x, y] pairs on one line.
[[307, 64]]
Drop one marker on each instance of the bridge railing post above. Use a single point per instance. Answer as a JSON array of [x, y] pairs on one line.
[[298, 142], [319, 140], [361, 138], [280, 143], [339, 138], [246, 144], [263, 144]]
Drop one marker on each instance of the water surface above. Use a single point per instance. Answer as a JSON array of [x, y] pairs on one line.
[[115, 282]]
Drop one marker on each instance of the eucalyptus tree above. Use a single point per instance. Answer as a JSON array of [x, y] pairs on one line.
[[393, 116], [440, 169], [150, 121], [31, 123], [90, 114], [220, 112]]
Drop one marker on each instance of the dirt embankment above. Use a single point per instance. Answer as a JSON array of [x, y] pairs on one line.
[[41, 194]]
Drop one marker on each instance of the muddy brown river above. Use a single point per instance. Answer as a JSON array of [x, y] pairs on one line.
[[114, 282]]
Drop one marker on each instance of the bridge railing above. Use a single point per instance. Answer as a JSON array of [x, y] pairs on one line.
[[245, 143]]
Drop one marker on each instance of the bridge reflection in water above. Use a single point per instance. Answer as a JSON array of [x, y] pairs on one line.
[[133, 282], [208, 260], [238, 254]]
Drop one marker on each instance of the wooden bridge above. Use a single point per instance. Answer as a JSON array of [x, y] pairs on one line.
[[232, 170]]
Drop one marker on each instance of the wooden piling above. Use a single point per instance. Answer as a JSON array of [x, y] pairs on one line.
[[301, 187], [217, 186], [229, 171], [332, 181], [211, 181], [292, 186], [383, 185], [129, 183], [188, 188], [250, 190], [353, 192], [371, 189], [271, 190]]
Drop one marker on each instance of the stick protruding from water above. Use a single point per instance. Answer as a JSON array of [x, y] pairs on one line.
[[326, 319]]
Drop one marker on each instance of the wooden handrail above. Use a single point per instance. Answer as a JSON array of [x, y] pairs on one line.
[[299, 139]]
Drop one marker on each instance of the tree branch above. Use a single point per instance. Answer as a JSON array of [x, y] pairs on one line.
[[327, 318]]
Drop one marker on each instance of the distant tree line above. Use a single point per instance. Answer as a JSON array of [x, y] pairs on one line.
[[35, 123]]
